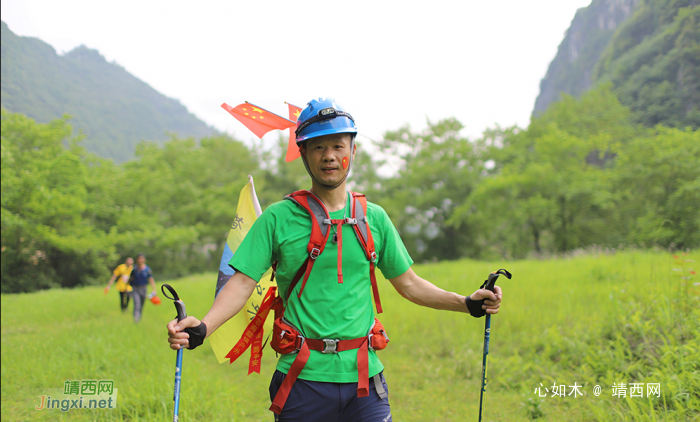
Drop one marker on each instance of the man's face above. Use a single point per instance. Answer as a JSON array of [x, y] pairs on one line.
[[141, 260], [129, 262], [329, 157]]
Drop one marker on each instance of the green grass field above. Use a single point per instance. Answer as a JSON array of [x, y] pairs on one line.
[[594, 319]]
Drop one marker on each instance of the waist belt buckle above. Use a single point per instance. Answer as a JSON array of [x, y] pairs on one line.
[[330, 345]]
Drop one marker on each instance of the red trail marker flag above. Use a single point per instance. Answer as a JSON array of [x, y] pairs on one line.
[[292, 148], [257, 119]]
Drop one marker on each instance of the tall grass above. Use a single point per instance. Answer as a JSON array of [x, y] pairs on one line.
[[592, 320]]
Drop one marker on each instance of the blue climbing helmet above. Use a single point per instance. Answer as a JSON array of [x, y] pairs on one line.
[[324, 117]]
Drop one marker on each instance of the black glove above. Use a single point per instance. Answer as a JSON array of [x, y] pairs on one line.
[[474, 307], [197, 335]]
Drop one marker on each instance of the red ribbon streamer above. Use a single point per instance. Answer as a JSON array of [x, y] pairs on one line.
[[253, 335]]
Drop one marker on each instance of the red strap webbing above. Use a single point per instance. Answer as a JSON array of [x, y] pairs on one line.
[[317, 241], [294, 371], [375, 288], [362, 346], [343, 345], [340, 252], [363, 370], [296, 278], [309, 266], [339, 233], [318, 237], [368, 246]]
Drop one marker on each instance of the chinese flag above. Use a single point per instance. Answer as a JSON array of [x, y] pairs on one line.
[[258, 120], [292, 148]]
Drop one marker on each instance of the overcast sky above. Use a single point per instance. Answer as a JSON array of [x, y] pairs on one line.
[[388, 63]]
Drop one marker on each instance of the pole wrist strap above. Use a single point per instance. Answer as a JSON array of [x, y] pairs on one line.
[[197, 335], [474, 307]]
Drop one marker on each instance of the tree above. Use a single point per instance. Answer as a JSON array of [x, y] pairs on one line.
[[657, 188], [548, 190], [437, 171], [178, 201], [51, 202]]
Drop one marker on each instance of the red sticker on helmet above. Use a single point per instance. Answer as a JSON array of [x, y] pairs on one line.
[[345, 162]]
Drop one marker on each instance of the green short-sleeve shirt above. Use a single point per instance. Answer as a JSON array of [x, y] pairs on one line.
[[327, 309]]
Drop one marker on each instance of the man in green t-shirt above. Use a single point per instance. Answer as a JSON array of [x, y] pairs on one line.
[[337, 296]]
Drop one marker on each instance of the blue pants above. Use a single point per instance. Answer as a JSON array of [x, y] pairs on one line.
[[139, 296], [311, 401]]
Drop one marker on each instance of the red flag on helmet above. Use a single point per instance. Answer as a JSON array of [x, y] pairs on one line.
[[292, 148], [258, 120]]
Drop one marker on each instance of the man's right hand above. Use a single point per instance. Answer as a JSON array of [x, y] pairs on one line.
[[177, 338], [228, 303]]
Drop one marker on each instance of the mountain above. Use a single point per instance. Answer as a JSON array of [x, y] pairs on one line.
[[590, 32], [648, 49], [114, 109]]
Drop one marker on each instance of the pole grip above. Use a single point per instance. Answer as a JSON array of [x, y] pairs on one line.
[[179, 305], [490, 283], [181, 310]]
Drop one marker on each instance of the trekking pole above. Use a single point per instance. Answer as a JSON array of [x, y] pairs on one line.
[[181, 314], [489, 285]]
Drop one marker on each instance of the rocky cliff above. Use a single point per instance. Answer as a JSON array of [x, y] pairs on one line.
[[590, 32]]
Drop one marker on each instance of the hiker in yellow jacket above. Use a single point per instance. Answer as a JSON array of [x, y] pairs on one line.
[[121, 275]]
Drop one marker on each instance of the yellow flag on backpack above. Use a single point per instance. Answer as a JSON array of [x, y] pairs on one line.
[[226, 337]]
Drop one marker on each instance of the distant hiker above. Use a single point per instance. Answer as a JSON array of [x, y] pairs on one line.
[[324, 244], [141, 275], [121, 274]]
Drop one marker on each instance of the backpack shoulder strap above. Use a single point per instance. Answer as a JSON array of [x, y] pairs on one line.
[[362, 228], [318, 213], [319, 233], [364, 236]]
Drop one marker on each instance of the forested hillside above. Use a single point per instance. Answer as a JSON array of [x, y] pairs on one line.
[[614, 166], [649, 50], [582, 174], [114, 109]]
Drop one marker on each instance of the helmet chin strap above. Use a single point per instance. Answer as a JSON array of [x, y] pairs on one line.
[[324, 185]]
